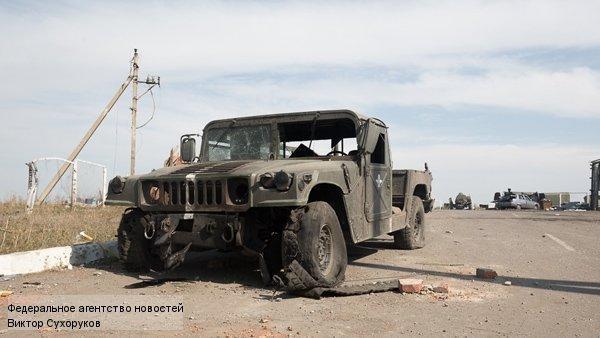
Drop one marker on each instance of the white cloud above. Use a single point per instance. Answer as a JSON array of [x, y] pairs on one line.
[[564, 93], [74, 47]]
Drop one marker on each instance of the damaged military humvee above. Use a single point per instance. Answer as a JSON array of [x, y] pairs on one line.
[[259, 185]]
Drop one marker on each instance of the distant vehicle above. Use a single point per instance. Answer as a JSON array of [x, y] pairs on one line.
[[516, 201], [572, 206], [461, 202]]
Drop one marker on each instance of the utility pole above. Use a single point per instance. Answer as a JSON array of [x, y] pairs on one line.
[[134, 100], [132, 79]]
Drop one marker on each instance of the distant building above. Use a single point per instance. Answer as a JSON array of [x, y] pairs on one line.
[[558, 198]]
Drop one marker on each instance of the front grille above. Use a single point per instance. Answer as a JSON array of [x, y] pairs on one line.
[[198, 193]]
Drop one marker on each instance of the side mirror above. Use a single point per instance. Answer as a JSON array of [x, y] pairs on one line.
[[187, 148]]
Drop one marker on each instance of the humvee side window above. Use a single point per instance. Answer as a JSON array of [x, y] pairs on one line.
[[378, 155], [317, 138]]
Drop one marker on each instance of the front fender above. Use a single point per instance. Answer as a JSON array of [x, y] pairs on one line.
[[129, 195]]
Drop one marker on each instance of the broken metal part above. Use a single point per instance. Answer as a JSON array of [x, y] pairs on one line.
[[156, 282], [300, 283], [177, 258], [264, 269], [164, 238], [351, 290]]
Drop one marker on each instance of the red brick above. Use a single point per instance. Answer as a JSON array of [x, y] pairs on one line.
[[485, 273], [410, 285]]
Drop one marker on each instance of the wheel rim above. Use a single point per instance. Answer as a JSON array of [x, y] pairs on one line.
[[325, 249], [417, 227]]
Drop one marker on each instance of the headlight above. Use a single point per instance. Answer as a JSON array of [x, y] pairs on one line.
[[117, 184], [282, 181], [266, 181], [151, 190], [237, 188]]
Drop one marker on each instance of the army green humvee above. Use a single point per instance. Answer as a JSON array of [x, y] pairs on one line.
[[259, 185]]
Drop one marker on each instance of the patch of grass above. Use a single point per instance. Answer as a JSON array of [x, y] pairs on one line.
[[51, 225]]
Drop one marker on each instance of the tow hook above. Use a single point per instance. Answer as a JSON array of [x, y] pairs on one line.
[[149, 227]]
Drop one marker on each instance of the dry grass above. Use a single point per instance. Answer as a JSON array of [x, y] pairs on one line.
[[53, 225]]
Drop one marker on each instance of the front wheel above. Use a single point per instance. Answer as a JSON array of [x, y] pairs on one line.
[[134, 249], [313, 239], [413, 235]]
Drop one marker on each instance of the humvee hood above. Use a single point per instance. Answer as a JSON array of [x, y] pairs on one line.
[[243, 168]]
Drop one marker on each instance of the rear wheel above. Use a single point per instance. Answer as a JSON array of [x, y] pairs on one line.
[[314, 239], [134, 249], [413, 235]]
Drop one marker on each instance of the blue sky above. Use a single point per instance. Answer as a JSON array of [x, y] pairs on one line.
[[490, 94]]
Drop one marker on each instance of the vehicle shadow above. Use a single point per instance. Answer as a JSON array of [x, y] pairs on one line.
[[590, 288], [208, 266], [234, 268]]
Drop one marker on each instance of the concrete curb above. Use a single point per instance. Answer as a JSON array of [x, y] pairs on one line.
[[52, 258]]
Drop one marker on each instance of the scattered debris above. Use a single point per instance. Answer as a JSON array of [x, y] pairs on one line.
[[32, 283], [349, 290], [156, 282], [441, 288], [410, 285], [486, 273], [83, 238], [441, 264], [4, 278], [5, 293]]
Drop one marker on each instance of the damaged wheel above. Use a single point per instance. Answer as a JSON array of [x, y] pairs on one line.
[[413, 236], [313, 238], [135, 251]]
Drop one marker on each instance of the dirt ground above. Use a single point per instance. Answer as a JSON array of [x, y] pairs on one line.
[[552, 260]]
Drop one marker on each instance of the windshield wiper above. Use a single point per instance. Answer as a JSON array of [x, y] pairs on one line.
[[220, 138]]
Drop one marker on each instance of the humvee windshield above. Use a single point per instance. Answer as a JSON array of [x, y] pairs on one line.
[[239, 143], [316, 137]]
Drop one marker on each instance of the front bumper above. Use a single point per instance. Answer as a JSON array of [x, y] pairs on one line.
[[206, 231]]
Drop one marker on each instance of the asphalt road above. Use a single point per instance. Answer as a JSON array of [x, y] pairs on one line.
[[552, 260]]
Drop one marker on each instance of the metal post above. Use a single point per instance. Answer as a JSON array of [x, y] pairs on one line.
[[595, 178], [32, 185], [559, 198], [134, 100], [74, 185], [104, 185]]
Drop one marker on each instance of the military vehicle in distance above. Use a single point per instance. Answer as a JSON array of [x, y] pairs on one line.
[[461, 202], [259, 185]]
